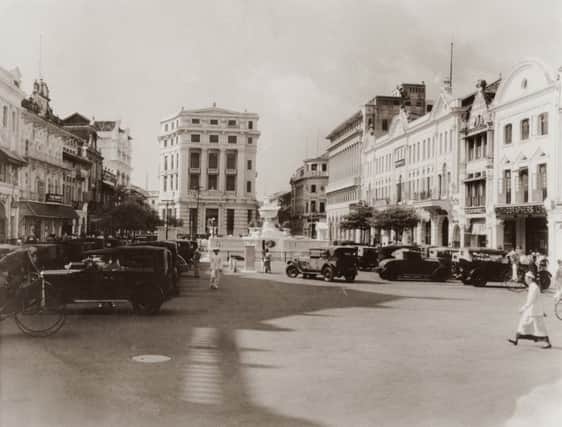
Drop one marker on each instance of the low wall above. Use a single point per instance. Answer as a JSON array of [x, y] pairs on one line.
[[284, 249]]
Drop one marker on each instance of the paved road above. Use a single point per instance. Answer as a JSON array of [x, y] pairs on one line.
[[265, 350]]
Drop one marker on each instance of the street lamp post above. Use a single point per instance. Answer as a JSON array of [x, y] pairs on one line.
[[195, 223]]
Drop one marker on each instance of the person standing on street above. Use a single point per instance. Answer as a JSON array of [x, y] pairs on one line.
[[558, 282], [216, 267], [195, 258], [514, 259], [531, 323], [267, 261]]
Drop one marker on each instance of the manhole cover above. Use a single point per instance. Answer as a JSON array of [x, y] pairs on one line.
[[151, 358]]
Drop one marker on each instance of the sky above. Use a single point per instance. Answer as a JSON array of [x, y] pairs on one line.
[[303, 66]]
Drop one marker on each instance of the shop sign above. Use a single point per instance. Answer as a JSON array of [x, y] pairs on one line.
[[53, 198], [525, 210]]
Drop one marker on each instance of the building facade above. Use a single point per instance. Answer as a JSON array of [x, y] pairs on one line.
[[346, 145], [476, 167], [208, 170], [308, 198], [114, 143], [43, 211], [11, 159], [527, 193], [415, 165]]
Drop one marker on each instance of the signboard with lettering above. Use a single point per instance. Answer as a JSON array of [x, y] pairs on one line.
[[521, 210], [53, 198]]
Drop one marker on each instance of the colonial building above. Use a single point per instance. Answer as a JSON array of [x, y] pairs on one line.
[[476, 167], [11, 161], [528, 159], [114, 143], [208, 169], [347, 143], [308, 188], [43, 210], [415, 164], [88, 170]]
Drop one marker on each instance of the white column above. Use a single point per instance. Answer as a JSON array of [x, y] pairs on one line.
[[203, 165], [222, 170]]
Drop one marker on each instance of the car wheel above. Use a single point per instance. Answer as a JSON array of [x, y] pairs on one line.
[[292, 271], [328, 274], [148, 300], [350, 277], [478, 279]]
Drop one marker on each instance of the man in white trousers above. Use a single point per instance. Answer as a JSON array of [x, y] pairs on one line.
[[215, 262]]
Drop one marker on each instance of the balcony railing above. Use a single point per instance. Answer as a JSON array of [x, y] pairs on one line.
[[194, 170], [230, 171]]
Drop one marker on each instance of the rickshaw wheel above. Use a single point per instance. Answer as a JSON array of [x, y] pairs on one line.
[[39, 319]]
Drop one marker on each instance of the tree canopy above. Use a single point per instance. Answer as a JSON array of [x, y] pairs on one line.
[[395, 218], [358, 219], [130, 216]]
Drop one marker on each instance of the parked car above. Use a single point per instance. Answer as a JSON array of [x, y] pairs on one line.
[[183, 266], [477, 266], [141, 275], [173, 248], [385, 252], [185, 248], [367, 257], [331, 262], [412, 265]]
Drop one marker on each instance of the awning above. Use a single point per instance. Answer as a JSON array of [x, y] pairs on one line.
[[478, 227], [11, 157], [47, 210]]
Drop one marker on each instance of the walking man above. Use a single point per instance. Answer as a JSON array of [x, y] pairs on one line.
[[216, 268], [267, 261], [531, 323], [514, 259], [195, 258]]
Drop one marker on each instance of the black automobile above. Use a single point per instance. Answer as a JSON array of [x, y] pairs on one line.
[[331, 262], [385, 252], [172, 246], [409, 264], [367, 257], [477, 266], [141, 275]]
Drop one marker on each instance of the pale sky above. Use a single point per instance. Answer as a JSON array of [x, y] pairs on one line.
[[303, 66]]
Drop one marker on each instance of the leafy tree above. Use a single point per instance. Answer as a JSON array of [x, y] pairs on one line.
[[130, 217], [358, 219], [396, 218]]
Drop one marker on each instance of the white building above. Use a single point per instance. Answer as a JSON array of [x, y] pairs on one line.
[[114, 143], [345, 151], [415, 164], [528, 159], [11, 159], [208, 169]]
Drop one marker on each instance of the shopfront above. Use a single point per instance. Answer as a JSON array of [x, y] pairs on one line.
[[43, 220], [525, 227]]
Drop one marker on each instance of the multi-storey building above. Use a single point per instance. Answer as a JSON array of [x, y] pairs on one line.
[[42, 208], [346, 146], [90, 177], [114, 143], [208, 169], [415, 164], [11, 159], [527, 193], [308, 188], [476, 167]]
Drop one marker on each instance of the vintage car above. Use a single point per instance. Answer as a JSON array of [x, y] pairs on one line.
[[138, 274], [185, 248], [385, 252], [410, 264], [183, 266], [331, 262], [477, 266], [367, 257], [173, 248]]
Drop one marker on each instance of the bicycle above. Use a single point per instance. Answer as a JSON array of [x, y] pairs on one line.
[[36, 306]]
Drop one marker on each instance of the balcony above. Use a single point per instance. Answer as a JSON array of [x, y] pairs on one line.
[[475, 210], [212, 171], [194, 170], [231, 171]]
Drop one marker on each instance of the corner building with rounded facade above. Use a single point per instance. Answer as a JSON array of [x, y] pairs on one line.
[[207, 170]]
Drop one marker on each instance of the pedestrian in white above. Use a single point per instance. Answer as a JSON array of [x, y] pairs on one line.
[[531, 323], [514, 259], [558, 282], [215, 262]]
